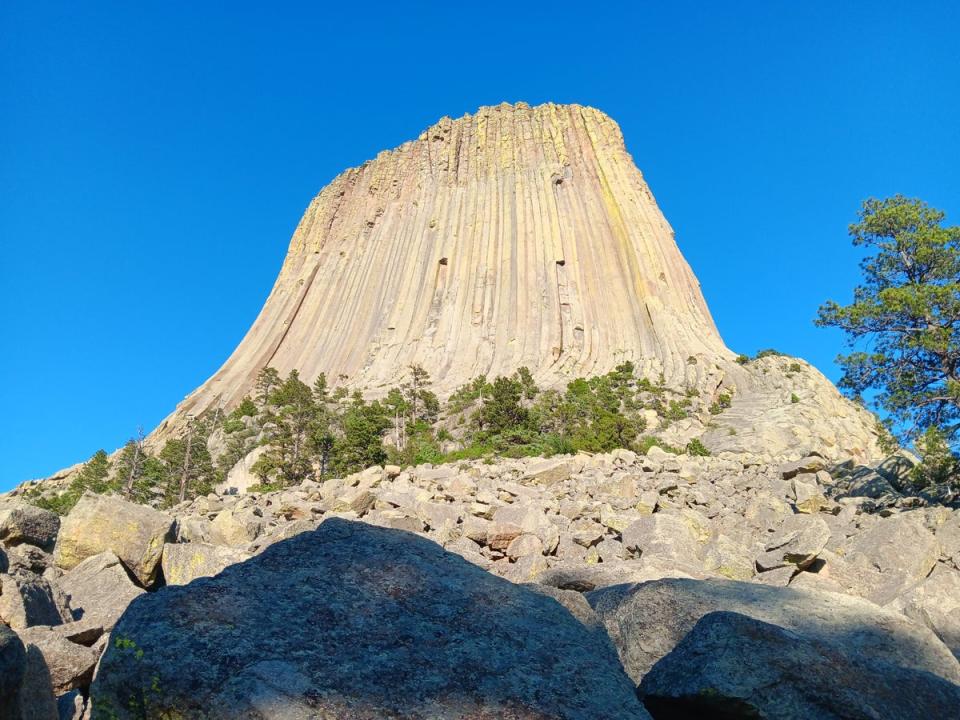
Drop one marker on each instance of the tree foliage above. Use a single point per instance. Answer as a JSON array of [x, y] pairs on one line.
[[904, 321]]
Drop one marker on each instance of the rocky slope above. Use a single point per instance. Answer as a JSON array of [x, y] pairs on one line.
[[700, 581]]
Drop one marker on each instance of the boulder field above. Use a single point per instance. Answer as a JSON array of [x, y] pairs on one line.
[[607, 586]]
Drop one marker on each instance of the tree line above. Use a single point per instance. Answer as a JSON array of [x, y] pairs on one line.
[[323, 430]]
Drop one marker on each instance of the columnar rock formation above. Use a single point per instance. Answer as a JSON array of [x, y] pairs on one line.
[[515, 236]]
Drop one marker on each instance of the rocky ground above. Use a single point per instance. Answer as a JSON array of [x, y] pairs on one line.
[[573, 587]]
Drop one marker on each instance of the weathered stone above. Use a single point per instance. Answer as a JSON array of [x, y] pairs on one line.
[[70, 665], [28, 558], [663, 537], [800, 540], [193, 529], [868, 484], [548, 471], [501, 534], [99, 523], [808, 497], [321, 625], [524, 545], [646, 621], [728, 559], [901, 548], [586, 532], [33, 698], [184, 563], [99, 589], [935, 602], [24, 523], [236, 527], [28, 600], [13, 660], [734, 666]]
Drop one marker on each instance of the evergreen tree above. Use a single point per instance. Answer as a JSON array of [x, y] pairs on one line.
[[907, 314], [362, 443]]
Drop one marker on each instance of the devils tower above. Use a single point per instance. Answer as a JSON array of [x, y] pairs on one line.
[[516, 236]]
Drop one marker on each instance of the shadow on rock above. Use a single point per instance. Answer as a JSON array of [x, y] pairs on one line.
[[356, 621]]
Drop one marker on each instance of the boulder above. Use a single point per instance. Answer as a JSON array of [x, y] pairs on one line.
[[35, 699], [134, 533], [184, 563], [24, 523], [28, 599], [358, 621], [13, 660], [901, 548], [237, 526], [70, 665], [663, 537], [800, 540], [548, 471], [647, 620], [99, 589], [734, 666], [28, 558], [935, 602]]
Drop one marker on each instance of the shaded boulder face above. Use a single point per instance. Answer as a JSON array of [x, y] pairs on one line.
[[646, 622], [733, 666], [358, 621]]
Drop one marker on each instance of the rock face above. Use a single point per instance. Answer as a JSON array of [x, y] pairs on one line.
[[516, 236], [360, 622]]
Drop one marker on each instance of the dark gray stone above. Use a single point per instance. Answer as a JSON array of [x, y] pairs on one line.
[[13, 658], [733, 666], [363, 622]]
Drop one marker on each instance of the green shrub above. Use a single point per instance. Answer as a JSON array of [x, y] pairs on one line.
[[794, 399], [769, 352], [696, 447], [742, 359]]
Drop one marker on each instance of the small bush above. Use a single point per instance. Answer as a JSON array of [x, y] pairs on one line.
[[794, 399], [795, 367], [742, 359], [695, 447], [769, 352]]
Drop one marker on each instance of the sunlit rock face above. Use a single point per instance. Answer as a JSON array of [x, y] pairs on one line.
[[516, 236]]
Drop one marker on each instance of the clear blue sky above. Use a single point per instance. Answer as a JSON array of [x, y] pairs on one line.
[[155, 158]]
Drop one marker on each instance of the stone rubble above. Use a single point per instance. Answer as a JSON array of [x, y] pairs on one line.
[[603, 525]]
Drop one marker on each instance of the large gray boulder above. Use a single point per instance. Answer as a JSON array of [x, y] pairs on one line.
[[357, 621], [99, 589], [733, 666], [24, 523], [101, 523], [646, 621]]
